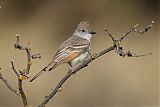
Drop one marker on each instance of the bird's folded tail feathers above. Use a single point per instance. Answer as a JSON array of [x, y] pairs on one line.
[[49, 67]]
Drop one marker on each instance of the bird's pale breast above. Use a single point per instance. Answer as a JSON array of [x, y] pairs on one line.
[[80, 58]]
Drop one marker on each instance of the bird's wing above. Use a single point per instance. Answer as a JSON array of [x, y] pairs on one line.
[[70, 49]]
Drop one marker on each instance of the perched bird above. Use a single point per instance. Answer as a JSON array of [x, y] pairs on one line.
[[74, 50]]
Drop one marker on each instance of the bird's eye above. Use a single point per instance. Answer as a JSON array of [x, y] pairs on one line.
[[83, 30]]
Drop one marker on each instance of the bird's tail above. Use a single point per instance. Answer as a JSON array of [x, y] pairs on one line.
[[52, 65]]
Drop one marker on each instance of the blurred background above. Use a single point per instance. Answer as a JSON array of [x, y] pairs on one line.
[[109, 81]]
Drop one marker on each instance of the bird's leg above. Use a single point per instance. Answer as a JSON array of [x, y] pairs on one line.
[[71, 68], [70, 64]]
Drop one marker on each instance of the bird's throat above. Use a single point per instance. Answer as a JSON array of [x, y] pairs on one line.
[[87, 36]]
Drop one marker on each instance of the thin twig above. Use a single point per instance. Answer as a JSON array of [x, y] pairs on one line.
[[27, 49], [109, 34], [23, 95], [35, 56], [132, 54], [125, 34], [117, 42], [29, 63], [28, 52], [116, 46], [141, 31], [121, 52], [8, 85], [20, 78], [73, 71], [13, 68], [21, 75]]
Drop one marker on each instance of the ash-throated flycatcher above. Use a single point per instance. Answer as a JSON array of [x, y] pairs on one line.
[[74, 50]]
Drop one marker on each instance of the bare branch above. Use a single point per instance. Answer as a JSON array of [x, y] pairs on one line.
[[29, 62], [13, 68], [121, 52], [116, 46], [27, 49], [17, 45], [21, 75], [23, 95], [132, 54], [20, 78], [131, 30], [8, 85], [141, 31], [109, 34], [35, 56], [73, 71], [117, 42]]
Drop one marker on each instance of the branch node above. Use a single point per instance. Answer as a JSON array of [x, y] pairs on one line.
[[70, 70], [95, 55], [59, 89], [35, 56], [20, 77], [46, 96], [135, 26]]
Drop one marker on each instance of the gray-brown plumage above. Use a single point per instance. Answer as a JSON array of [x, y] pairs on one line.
[[77, 45]]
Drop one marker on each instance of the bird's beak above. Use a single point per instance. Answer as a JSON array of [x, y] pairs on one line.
[[92, 32]]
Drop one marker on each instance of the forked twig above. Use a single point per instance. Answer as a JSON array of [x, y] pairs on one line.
[[22, 74], [8, 85], [116, 46]]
